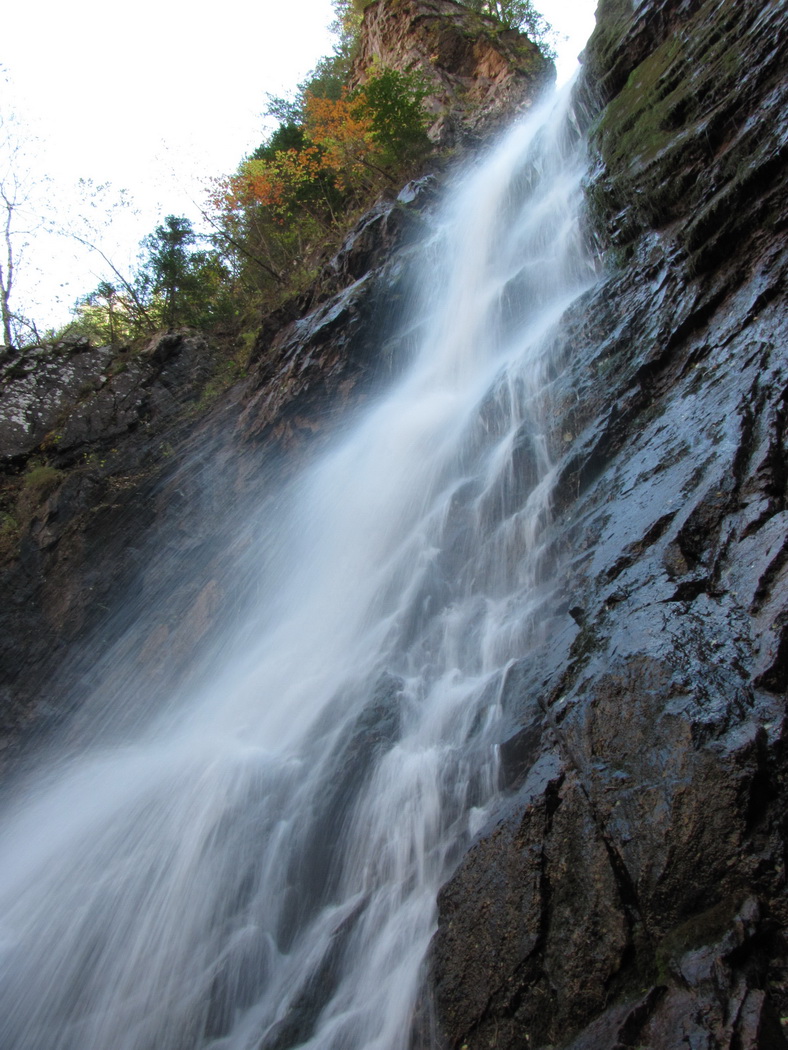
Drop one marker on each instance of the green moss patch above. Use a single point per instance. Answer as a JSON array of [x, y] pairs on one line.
[[40, 480], [673, 120]]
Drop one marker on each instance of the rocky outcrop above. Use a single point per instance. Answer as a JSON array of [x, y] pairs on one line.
[[309, 371], [477, 74], [631, 891], [88, 439], [69, 396]]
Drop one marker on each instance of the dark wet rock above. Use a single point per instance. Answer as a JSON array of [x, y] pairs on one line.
[[40, 385], [68, 397], [382, 230], [677, 142], [324, 361], [311, 364], [87, 437], [631, 892]]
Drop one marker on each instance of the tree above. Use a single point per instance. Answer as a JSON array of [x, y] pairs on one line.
[[174, 284], [342, 131], [18, 218], [169, 263], [109, 312], [9, 190], [179, 283], [330, 76], [379, 128], [102, 205], [398, 123], [282, 207]]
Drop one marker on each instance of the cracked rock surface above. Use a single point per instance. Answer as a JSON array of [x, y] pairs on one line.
[[631, 890]]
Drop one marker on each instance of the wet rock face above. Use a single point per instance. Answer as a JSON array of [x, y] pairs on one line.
[[478, 74], [40, 384], [631, 891], [87, 438], [694, 134], [69, 396], [312, 367]]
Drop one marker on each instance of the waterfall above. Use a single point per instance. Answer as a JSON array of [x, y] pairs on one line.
[[256, 867]]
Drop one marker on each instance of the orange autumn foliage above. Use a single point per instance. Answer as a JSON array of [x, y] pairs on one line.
[[274, 183], [331, 157], [342, 128]]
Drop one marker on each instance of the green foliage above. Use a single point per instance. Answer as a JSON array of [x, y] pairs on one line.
[[521, 15], [332, 153], [347, 28], [285, 207], [284, 201], [38, 482], [399, 123], [289, 135], [10, 533], [106, 315], [182, 285], [329, 77], [8, 523], [176, 283], [169, 267], [41, 479]]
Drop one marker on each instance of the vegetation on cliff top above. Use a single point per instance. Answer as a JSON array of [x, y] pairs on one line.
[[282, 212], [287, 206], [518, 14]]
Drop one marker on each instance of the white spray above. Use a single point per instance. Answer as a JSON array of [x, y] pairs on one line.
[[258, 869]]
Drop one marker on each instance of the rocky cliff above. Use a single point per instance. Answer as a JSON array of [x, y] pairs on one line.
[[630, 891], [476, 73], [87, 438]]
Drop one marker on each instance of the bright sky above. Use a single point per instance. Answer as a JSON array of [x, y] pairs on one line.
[[157, 97]]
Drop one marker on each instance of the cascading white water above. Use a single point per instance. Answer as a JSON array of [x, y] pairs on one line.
[[258, 868]]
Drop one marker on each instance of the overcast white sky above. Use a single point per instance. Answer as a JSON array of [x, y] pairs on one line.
[[157, 97]]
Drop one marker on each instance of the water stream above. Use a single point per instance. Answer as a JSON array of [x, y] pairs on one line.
[[256, 868]]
